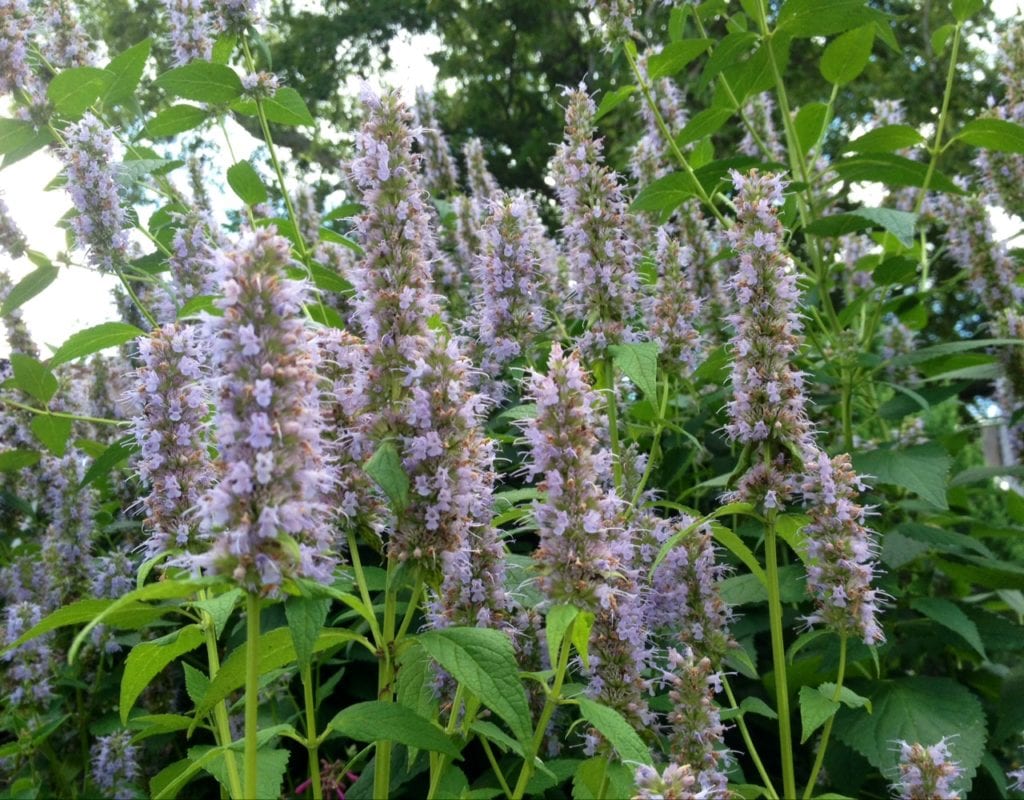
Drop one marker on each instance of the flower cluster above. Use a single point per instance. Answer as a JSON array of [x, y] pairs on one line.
[[235, 16], [1002, 174], [18, 336], [262, 85], [169, 429], [652, 157], [12, 240], [675, 782], [926, 773], [267, 508], [440, 176], [482, 184], [840, 551], [761, 137], [768, 403], [29, 667], [64, 43], [15, 26], [115, 766], [673, 309], [101, 222], [617, 17], [601, 254], [190, 26]]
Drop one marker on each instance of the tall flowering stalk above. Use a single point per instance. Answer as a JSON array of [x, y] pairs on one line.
[[926, 773], [440, 176], [585, 553], [169, 430], [100, 225], [12, 240], [482, 184], [191, 25], [266, 512], [18, 336], [64, 43], [652, 157], [115, 766], [15, 26], [601, 254], [672, 310]]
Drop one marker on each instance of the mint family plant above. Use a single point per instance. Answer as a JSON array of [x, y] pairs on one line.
[[658, 486]]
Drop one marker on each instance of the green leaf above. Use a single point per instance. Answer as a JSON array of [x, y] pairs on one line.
[[639, 362], [286, 107], [176, 119], [201, 81], [581, 629], [223, 47], [899, 223], [950, 615], [168, 778], [727, 52], [483, 661], [28, 287], [892, 170], [847, 55], [918, 709], [148, 659], [271, 765], [33, 378], [52, 431], [127, 69], [609, 103], [13, 460], [557, 623], [598, 778], [993, 134], [130, 615], [619, 733], [118, 452], [196, 685], [815, 710], [922, 469], [73, 90], [735, 545], [755, 705], [885, 139], [809, 122], [416, 681], [941, 37], [246, 183], [375, 721], [219, 608], [306, 616], [674, 56], [747, 589], [149, 725], [948, 348], [963, 10], [665, 194], [198, 305], [92, 340], [807, 18], [385, 467], [847, 696], [15, 134], [702, 124]]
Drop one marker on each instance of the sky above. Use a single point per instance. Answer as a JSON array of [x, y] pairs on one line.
[[80, 298]]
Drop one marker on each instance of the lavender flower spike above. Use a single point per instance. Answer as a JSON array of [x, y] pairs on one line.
[[676, 782], [482, 184], [267, 511], [174, 459], [439, 173], [15, 25], [840, 551], [12, 240], [926, 773], [101, 222], [673, 309], [601, 254], [190, 27], [115, 766]]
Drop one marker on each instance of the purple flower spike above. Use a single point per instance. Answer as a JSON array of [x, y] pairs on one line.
[[482, 184], [191, 26], [673, 309], [15, 25], [266, 513], [440, 176], [115, 766], [926, 773]]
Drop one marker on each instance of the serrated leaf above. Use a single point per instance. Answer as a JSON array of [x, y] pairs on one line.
[[846, 56], [148, 659], [616, 730], [918, 709], [219, 608], [286, 107], [176, 119], [33, 378], [665, 194], [376, 721], [127, 69], [847, 696], [557, 623], [609, 103], [815, 710], [885, 139], [52, 431], [416, 682], [899, 223], [13, 460], [385, 467], [892, 170], [73, 90], [922, 469], [993, 134], [807, 18], [950, 615], [92, 340], [674, 56], [306, 616], [639, 362], [118, 452], [202, 81], [246, 183], [28, 287], [483, 661]]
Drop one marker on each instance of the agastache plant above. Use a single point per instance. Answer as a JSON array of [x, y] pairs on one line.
[[926, 772], [672, 310], [15, 26], [440, 175]]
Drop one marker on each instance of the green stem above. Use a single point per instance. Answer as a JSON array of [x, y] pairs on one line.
[[550, 704], [47, 413], [947, 93], [827, 731], [252, 688], [220, 711], [608, 378], [364, 594], [655, 446], [441, 763], [779, 655], [494, 766], [385, 687], [135, 298], [749, 742], [311, 740], [410, 611], [847, 409]]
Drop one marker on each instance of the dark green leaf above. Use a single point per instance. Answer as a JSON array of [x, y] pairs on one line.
[[727, 52], [202, 81], [148, 659], [993, 134], [941, 37], [118, 452], [246, 183], [74, 90], [556, 624], [33, 378], [619, 733], [609, 103], [52, 431], [892, 170], [92, 340], [704, 123], [815, 710], [809, 122], [28, 287], [385, 467], [416, 681], [674, 56], [306, 616], [13, 460], [886, 139], [483, 661], [176, 119], [374, 721], [950, 615], [665, 194], [949, 348], [199, 305], [847, 55], [127, 69], [963, 10], [807, 18], [639, 362], [899, 223], [286, 107], [922, 469]]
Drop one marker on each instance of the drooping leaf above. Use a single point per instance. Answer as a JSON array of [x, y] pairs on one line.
[[306, 617], [703, 123], [118, 452], [899, 223], [33, 378], [885, 139], [892, 170], [993, 134], [815, 710], [609, 103], [619, 733], [807, 18], [28, 287], [922, 469], [665, 194], [286, 107], [246, 183], [809, 122], [374, 721], [147, 659], [94, 339], [385, 467], [674, 56], [950, 615], [201, 81], [52, 431]]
